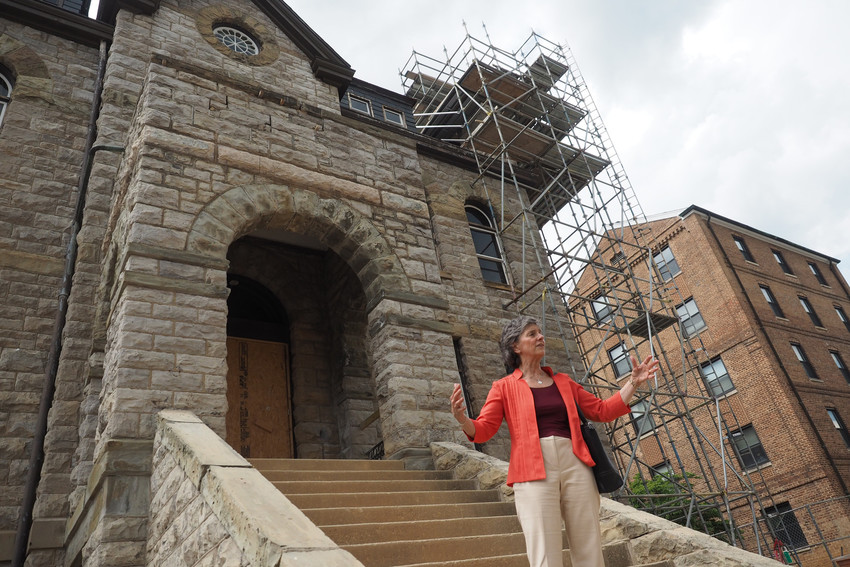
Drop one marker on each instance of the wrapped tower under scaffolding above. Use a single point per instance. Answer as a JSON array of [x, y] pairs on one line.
[[527, 120]]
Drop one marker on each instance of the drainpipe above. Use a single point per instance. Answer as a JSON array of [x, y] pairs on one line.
[[778, 359], [52, 366]]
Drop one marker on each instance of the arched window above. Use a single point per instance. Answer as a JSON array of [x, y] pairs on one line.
[[5, 90], [487, 247]]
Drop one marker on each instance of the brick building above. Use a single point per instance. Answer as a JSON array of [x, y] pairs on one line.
[[762, 338]]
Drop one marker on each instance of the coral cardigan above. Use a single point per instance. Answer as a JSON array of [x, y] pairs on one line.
[[510, 398]]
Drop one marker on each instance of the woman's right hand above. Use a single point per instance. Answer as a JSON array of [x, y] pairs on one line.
[[458, 407]]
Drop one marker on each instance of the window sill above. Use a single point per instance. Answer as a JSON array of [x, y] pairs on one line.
[[724, 395], [694, 333], [494, 285], [759, 467]]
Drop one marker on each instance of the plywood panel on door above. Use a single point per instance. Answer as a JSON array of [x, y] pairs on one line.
[[258, 418]]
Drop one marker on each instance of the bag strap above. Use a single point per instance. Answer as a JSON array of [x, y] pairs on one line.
[[581, 415]]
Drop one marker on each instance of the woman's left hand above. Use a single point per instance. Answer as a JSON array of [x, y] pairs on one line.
[[644, 371]]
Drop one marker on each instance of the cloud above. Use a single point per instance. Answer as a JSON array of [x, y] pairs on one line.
[[738, 107]]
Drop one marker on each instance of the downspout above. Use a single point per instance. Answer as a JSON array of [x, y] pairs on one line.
[[51, 368], [778, 359]]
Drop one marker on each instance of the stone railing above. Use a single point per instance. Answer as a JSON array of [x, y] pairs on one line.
[[210, 507], [648, 539]]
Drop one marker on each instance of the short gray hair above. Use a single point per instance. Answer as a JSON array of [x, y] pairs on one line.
[[510, 336]]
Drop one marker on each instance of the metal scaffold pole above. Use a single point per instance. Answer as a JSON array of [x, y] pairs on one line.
[[561, 197]]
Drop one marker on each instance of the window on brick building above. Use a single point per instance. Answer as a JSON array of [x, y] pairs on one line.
[[780, 259], [839, 425], [487, 246], [690, 318], [603, 308], [667, 264], [784, 524], [620, 360], [641, 419], [842, 316], [742, 246], [807, 307], [717, 378], [748, 447], [662, 468], [771, 300], [5, 90], [817, 273], [804, 360], [839, 362]]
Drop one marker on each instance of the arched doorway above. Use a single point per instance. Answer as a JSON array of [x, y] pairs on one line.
[[259, 417]]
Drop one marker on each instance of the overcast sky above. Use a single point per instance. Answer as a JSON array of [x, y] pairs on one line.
[[740, 107]]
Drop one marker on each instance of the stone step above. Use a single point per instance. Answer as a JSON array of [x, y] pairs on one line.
[[413, 498], [412, 552], [263, 465], [363, 486], [389, 517], [346, 534], [515, 560], [345, 475], [371, 514]]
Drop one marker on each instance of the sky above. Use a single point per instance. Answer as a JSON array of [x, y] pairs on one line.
[[740, 107]]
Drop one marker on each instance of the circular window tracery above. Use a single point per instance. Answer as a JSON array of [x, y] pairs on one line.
[[236, 40]]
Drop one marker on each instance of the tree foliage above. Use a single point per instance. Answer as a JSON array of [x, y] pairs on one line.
[[705, 517]]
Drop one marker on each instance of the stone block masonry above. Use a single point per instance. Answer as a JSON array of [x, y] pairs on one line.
[[210, 507]]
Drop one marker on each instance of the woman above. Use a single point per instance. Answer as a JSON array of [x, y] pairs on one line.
[[549, 467]]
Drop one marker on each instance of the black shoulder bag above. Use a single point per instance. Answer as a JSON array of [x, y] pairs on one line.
[[608, 478]]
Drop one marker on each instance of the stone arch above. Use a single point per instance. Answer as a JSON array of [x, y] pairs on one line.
[[344, 230], [32, 78]]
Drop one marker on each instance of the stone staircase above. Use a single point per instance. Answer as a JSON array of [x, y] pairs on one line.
[[387, 516]]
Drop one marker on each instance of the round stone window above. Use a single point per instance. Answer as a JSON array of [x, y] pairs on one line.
[[236, 40]]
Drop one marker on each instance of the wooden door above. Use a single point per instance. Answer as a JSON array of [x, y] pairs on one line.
[[258, 421]]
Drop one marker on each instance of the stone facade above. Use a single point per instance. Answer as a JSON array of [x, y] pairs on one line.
[[210, 164]]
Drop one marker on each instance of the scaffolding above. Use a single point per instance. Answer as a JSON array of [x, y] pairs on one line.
[[527, 120]]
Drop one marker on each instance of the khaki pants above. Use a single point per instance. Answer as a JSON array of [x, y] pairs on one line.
[[567, 492]]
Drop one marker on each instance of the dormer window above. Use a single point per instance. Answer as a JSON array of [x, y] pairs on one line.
[[393, 116], [236, 40], [360, 104]]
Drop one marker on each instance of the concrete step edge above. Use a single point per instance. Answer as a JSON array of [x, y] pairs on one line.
[[389, 554], [338, 475], [325, 464], [376, 532], [367, 499], [370, 486], [369, 514]]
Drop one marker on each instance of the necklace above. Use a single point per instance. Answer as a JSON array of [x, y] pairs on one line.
[[539, 381]]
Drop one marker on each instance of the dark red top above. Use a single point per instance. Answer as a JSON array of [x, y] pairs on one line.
[[551, 412]]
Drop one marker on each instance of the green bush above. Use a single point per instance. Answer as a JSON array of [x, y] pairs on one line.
[[705, 517]]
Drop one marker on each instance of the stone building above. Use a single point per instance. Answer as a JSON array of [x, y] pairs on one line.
[[234, 226], [766, 335], [203, 211]]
